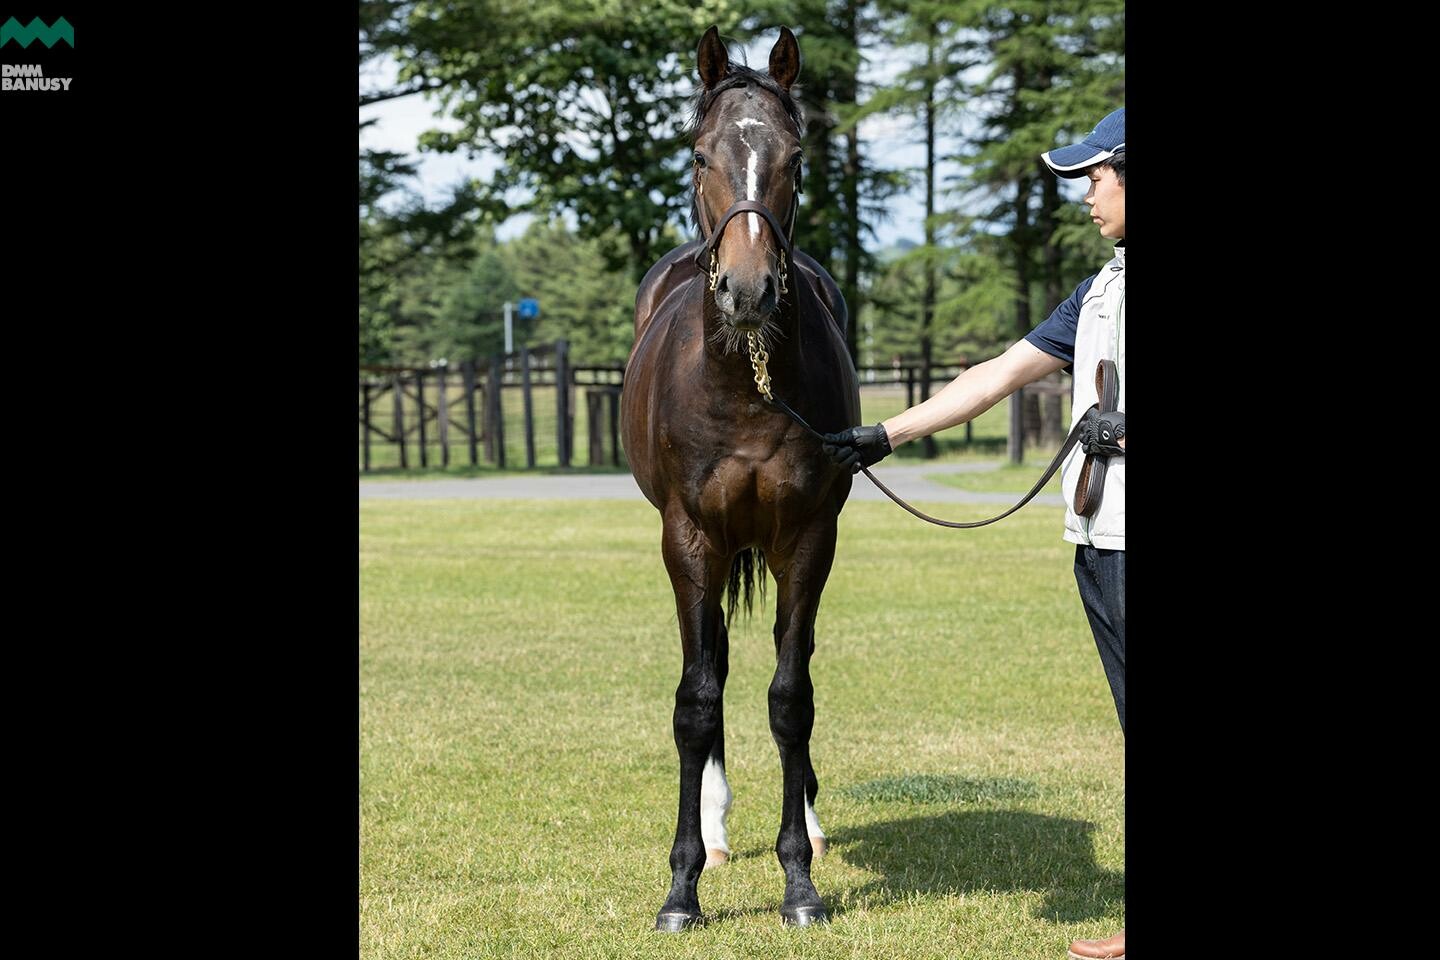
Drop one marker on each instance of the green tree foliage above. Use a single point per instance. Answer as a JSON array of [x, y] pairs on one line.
[[845, 191], [581, 299], [430, 307], [585, 101], [1055, 68]]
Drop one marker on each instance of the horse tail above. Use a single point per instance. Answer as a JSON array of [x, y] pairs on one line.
[[743, 573]]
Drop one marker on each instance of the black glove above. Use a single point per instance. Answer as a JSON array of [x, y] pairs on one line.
[[857, 447], [1100, 433]]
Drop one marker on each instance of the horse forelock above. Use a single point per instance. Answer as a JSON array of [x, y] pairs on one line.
[[738, 76]]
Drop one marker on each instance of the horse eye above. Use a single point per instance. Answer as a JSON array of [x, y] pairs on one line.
[[796, 160], [699, 160]]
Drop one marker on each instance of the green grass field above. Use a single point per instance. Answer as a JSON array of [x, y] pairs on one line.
[[518, 794]]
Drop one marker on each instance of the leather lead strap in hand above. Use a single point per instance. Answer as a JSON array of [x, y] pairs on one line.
[[1092, 475]]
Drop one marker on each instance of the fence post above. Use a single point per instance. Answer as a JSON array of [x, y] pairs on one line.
[[468, 370], [1052, 427], [529, 410], [1032, 416], [615, 427], [365, 424], [420, 392], [400, 420], [592, 425], [562, 400], [496, 414], [1017, 423], [444, 416]]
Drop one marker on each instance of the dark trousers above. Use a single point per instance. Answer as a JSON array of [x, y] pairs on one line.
[[1101, 576]]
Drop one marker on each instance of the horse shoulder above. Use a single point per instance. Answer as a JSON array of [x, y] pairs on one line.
[[826, 289], [668, 274]]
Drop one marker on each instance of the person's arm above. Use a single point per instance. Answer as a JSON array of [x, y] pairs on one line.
[[973, 392], [1047, 348]]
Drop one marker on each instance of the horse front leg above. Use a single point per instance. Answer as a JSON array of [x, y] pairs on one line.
[[800, 578], [715, 795], [697, 575]]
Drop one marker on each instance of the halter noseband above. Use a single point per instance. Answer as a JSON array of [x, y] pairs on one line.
[[702, 257]]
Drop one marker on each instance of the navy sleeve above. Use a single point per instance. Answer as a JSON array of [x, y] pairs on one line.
[[1056, 336]]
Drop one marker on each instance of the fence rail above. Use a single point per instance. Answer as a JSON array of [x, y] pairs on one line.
[[518, 410]]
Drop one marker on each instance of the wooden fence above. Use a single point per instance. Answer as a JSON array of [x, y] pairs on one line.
[[518, 410]]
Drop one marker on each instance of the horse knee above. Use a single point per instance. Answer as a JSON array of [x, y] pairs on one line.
[[792, 710], [697, 711]]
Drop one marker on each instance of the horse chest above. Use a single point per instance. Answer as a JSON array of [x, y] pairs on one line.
[[742, 499]]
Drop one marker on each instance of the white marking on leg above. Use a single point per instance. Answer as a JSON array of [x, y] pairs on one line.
[[817, 836], [715, 798], [812, 822]]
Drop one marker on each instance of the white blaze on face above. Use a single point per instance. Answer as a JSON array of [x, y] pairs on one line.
[[751, 177], [715, 800]]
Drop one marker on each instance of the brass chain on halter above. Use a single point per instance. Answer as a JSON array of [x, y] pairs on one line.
[[715, 272], [758, 359]]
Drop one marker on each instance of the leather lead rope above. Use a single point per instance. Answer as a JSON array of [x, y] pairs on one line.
[[1065, 448], [1092, 476]]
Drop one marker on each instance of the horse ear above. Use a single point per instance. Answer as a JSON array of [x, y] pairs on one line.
[[785, 59], [713, 57]]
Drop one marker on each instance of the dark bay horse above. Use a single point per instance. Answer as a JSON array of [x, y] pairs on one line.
[[739, 485]]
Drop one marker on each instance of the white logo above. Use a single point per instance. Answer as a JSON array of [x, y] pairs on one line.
[[29, 76]]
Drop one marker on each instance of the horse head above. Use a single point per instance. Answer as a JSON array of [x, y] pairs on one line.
[[747, 152]]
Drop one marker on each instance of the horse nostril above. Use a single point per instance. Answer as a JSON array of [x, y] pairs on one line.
[[724, 286]]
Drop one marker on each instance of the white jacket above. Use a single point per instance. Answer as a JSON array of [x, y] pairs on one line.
[[1099, 335]]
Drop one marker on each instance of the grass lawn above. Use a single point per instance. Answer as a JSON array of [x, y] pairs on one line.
[[518, 667]]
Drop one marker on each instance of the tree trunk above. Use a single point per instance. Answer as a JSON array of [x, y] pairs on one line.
[[847, 93], [928, 304]]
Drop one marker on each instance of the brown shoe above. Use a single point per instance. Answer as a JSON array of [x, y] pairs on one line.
[[1111, 948]]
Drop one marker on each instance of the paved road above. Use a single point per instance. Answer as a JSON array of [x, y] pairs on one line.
[[907, 482]]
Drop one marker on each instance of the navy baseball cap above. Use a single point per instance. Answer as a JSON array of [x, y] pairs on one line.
[[1106, 140]]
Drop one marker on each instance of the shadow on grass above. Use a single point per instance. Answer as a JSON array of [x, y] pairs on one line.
[[984, 850]]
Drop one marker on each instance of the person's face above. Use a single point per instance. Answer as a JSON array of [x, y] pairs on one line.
[[1107, 202]]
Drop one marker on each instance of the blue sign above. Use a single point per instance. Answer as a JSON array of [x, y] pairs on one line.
[[529, 308]]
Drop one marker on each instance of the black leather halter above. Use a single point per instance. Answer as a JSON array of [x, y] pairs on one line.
[[785, 237]]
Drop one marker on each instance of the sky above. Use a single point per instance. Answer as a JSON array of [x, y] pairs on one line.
[[900, 141]]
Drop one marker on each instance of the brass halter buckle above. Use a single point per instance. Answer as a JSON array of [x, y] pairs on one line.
[[758, 359]]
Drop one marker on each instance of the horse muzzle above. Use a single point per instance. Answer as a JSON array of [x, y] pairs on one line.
[[745, 302]]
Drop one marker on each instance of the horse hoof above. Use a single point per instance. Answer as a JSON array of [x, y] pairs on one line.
[[715, 858], [817, 844], [803, 916], [675, 922]]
